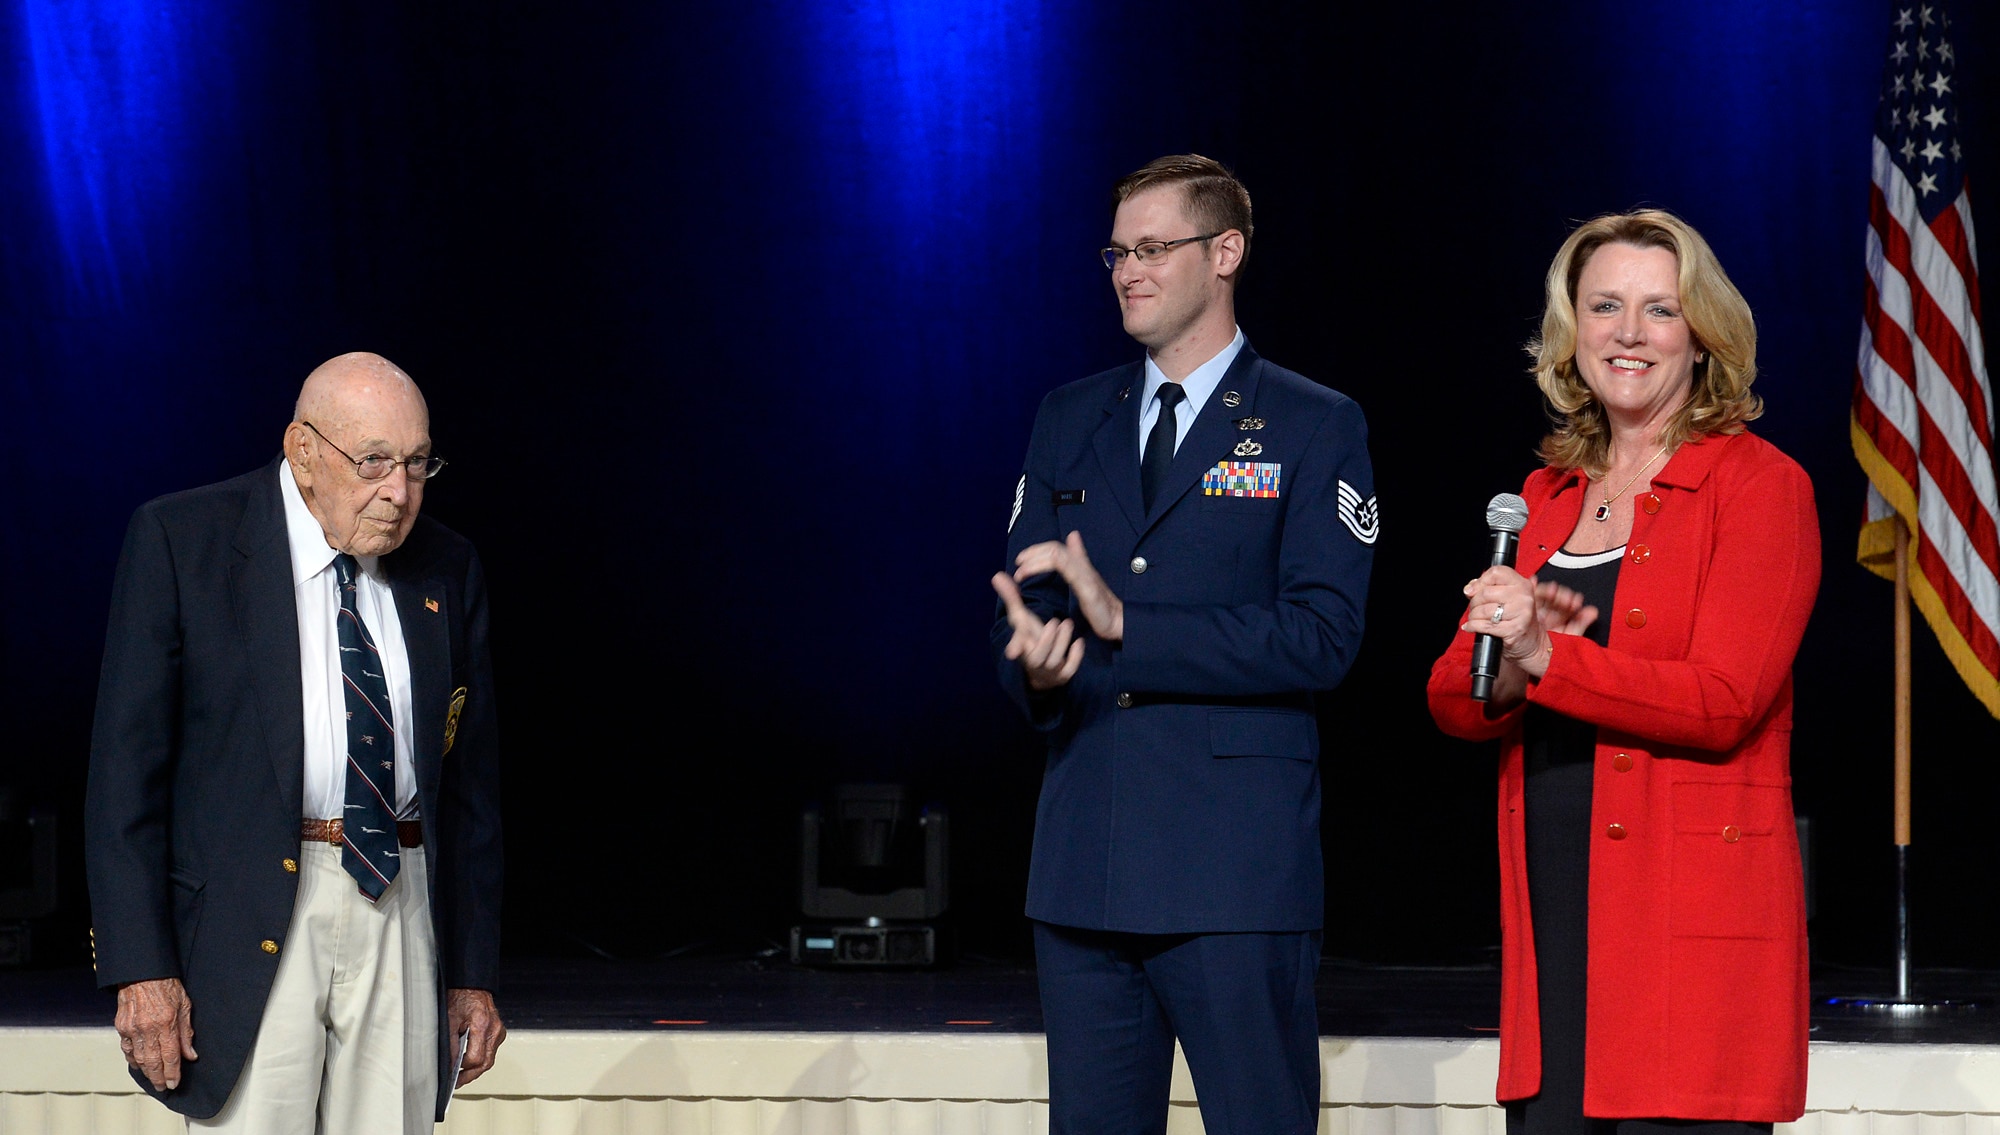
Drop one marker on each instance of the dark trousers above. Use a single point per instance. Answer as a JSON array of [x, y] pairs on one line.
[[1241, 1004]]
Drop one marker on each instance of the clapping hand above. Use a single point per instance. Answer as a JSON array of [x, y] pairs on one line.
[[1522, 614], [1049, 651]]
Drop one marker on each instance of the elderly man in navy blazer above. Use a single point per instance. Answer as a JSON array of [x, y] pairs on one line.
[[293, 820], [1191, 541]]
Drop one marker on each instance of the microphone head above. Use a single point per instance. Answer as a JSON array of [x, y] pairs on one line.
[[1507, 513]]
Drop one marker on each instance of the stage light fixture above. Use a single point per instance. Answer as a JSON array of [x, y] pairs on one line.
[[872, 879]]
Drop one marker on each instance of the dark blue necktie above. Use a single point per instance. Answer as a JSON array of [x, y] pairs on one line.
[[1160, 443], [369, 850]]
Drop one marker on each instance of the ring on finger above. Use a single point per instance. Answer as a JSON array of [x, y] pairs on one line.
[[1499, 613]]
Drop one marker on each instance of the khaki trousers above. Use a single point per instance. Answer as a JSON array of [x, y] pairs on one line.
[[349, 1039]]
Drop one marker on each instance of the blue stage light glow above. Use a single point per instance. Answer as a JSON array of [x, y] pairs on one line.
[[106, 82], [930, 143], [929, 104]]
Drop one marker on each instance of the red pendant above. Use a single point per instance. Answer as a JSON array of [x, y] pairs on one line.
[[1603, 511]]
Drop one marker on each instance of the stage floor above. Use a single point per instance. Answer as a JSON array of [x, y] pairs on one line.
[[713, 1045], [742, 994]]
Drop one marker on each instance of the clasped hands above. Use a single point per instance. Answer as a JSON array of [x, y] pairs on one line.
[[1522, 614], [1050, 652]]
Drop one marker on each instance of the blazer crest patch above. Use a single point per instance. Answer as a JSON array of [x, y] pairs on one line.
[[451, 718]]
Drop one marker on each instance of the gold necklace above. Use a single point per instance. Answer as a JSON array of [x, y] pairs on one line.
[[1603, 512]]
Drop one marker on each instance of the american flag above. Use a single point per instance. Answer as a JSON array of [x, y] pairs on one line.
[[1923, 410]]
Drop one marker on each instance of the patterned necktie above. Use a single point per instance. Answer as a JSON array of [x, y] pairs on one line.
[[369, 849], [1160, 443]]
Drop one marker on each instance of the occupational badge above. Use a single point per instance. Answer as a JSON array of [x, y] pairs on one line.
[[1248, 448], [1249, 423], [451, 718], [1231, 398]]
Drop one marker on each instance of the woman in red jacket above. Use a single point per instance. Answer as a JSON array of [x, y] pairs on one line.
[[1653, 914]]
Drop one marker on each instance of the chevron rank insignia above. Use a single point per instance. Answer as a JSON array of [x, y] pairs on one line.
[[1362, 517], [1242, 479]]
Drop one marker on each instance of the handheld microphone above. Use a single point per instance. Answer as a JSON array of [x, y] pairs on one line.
[[1506, 515]]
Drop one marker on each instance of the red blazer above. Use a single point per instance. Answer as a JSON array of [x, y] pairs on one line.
[[1697, 951]]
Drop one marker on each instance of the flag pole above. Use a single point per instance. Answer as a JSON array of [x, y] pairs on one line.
[[1902, 760], [1904, 1004]]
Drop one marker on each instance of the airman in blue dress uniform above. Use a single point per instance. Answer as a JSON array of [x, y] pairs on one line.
[[1190, 545]]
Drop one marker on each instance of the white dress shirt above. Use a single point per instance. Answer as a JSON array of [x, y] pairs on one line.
[[313, 587], [1197, 386]]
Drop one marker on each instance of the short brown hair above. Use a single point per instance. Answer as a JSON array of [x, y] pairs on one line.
[[1717, 317], [1215, 201]]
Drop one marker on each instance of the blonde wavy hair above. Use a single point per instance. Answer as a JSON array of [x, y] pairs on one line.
[[1717, 317]]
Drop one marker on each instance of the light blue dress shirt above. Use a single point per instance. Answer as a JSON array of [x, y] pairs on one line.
[[1198, 385]]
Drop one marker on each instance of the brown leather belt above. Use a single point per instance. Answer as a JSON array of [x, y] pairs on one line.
[[409, 833]]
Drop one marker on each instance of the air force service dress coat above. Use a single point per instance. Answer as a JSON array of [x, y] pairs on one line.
[[1696, 983], [197, 764], [1182, 790]]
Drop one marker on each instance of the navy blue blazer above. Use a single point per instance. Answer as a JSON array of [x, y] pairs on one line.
[[197, 764], [1182, 792]]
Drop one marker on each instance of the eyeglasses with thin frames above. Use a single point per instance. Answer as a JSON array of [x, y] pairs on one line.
[[1149, 251], [374, 467]]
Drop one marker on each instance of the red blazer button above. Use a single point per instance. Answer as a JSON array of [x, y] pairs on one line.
[[1635, 618], [1622, 762], [1615, 831], [1650, 502], [1731, 834], [1641, 553]]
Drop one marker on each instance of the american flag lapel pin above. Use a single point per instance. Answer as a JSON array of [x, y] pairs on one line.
[[432, 604]]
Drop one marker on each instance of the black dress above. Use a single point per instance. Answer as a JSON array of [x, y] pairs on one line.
[[1558, 753]]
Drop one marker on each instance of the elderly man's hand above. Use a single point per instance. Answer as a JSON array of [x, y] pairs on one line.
[[156, 1029], [472, 1011], [1104, 611]]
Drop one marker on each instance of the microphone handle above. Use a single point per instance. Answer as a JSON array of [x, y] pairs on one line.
[[1486, 647]]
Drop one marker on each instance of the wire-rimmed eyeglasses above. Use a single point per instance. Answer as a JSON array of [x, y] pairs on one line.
[[1149, 251], [374, 467]]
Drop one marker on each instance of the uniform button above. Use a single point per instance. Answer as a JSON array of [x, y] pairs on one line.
[[1622, 762], [1124, 701], [1641, 553], [1650, 502], [1635, 618], [292, 866], [1138, 565], [1731, 834], [1615, 831], [269, 946]]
